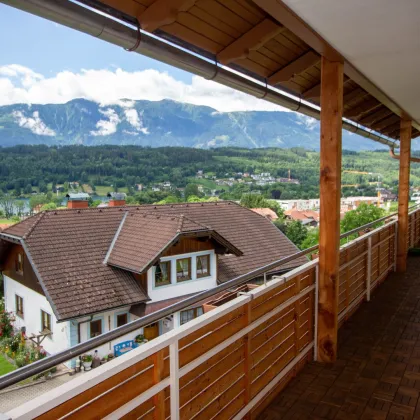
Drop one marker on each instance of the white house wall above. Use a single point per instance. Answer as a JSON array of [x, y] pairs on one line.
[[33, 302], [175, 289], [109, 322]]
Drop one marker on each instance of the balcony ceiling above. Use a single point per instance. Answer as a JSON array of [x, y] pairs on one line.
[[381, 38]]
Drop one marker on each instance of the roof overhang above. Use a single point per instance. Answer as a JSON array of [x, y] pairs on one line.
[[261, 39], [376, 38]]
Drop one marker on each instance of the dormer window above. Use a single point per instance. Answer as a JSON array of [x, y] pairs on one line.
[[183, 269], [163, 273], [203, 266]]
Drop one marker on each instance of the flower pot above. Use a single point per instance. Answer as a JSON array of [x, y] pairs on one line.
[[87, 365]]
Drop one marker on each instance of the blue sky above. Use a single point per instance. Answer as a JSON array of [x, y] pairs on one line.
[[48, 48]]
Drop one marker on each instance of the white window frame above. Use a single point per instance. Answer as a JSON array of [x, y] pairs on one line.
[[193, 258]]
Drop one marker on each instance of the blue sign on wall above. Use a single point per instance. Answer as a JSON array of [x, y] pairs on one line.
[[124, 347]]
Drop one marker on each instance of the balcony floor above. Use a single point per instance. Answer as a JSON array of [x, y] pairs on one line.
[[377, 374]]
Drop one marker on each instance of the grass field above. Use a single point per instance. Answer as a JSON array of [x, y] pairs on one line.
[[103, 190], [206, 183], [5, 366], [6, 222]]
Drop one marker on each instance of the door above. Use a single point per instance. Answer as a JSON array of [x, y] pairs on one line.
[[151, 331]]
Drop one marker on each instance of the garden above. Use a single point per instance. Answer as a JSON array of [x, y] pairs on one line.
[[14, 349]]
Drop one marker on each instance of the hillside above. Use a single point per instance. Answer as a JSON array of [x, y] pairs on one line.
[[157, 124], [24, 169]]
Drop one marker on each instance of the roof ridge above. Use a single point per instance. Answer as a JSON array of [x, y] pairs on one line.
[[31, 229], [180, 223]]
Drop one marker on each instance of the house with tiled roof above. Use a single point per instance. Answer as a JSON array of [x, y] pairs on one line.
[[73, 274]]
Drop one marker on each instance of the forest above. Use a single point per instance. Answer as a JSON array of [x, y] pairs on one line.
[[25, 170]]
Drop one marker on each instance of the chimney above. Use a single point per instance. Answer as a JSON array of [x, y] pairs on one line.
[[116, 199], [77, 201]]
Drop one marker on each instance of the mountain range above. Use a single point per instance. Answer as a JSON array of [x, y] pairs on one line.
[[160, 123]]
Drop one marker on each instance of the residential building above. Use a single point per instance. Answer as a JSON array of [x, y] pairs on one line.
[[73, 274], [267, 213], [306, 217]]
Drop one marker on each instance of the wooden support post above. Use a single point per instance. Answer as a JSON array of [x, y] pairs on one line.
[[330, 189], [403, 194]]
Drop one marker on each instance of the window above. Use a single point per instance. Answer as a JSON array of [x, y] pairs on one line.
[[19, 263], [122, 319], [203, 266], [19, 306], [45, 321], [190, 314], [163, 273], [183, 269], [95, 328]]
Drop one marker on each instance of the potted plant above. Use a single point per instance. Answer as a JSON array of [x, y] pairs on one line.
[[140, 339], [110, 356], [104, 359], [87, 361]]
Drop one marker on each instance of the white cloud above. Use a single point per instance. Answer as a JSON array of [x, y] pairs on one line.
[[109, 126], [132, 116], [34, 123], [20, 84]]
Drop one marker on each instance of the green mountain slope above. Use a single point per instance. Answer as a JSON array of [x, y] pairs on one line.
[[156, 124]]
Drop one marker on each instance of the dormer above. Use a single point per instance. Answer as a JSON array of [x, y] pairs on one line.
[[174, 255]]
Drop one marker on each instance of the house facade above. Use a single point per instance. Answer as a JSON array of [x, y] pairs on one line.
[[73, 274]]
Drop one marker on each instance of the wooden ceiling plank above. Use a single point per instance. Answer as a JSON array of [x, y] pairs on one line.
[[289, 45], [251, 8], [254, 67], [225, 15], [186, 34], [263, 60], [298, 66], [250, 41], [363, 108], [376, 116], [391, 129], [313, 93], [217, 23], [241, 11], [283, 14], [190, 21], [163, 12], [352, 95], [273, 56], [386, 122]]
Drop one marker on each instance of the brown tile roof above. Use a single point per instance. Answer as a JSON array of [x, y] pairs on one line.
[[302, 214], [68, 248], [143, 237], [266, 212]]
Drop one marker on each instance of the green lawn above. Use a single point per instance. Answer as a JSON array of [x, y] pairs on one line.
[[6, 221], [103, 190], [5, 366]]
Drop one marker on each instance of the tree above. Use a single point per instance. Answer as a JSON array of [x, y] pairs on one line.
[[191, 189], [49, 206], [364, 214], [7, 203], [312, 238], [296, 232]]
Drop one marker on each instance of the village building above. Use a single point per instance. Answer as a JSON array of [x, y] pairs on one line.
[[267, 213], [306, 217], [73, 274]]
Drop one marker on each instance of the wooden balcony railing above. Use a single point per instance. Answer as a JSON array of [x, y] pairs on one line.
[[231, 361]]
